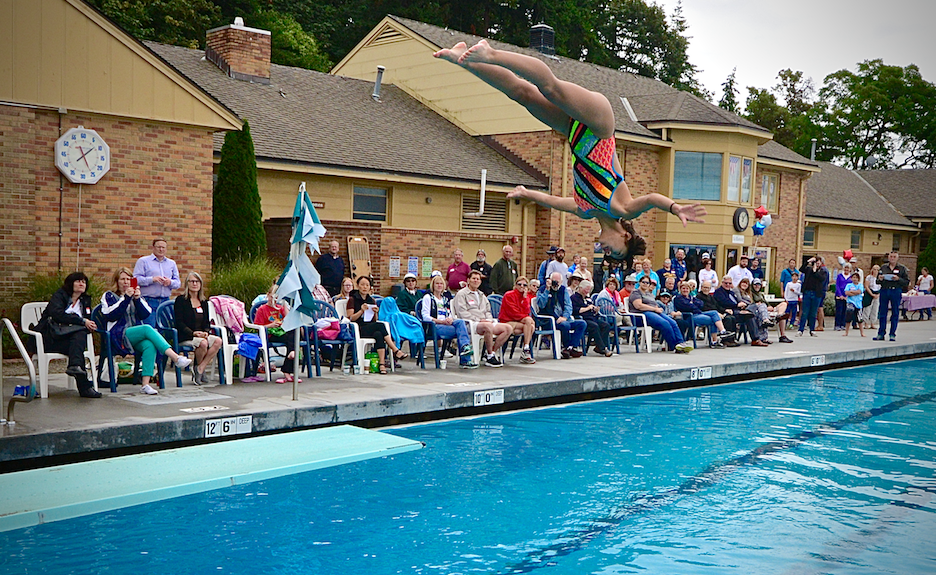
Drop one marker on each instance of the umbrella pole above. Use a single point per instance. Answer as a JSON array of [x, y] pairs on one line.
[[297, 369]]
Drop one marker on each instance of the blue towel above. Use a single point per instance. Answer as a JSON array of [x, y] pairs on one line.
[[248, 345], [402, 326]]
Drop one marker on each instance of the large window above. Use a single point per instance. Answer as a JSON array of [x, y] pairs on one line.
[[895, 247], [856, 239], [697, 176], [770, 192], [747, 179], [809, 237], [370, 204]]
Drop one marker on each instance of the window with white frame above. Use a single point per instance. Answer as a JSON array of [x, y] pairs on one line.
[[770, 192], [697, 176], [370, 204], [856, 239], [895, 246]]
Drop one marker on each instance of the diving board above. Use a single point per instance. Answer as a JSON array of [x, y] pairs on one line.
[[51, 494]]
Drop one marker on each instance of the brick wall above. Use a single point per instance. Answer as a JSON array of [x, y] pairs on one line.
[[785, 233], [159, 184]]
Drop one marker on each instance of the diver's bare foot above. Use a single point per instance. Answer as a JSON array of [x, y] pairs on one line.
[[480, 52], [518, 192], [452, 54]]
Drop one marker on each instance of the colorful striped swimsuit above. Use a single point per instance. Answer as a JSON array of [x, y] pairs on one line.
[[593, 170]]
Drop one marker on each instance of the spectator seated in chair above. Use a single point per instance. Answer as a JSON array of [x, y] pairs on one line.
[[409, 295], [730, 305], [553, 300], [515, 312], [692, 306], [642, 301], [270, 315], [597, 327], [471, 304]]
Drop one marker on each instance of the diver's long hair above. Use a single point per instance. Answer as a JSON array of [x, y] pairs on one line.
[[636, 246]]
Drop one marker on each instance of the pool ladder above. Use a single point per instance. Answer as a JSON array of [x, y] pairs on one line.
[[31, 391]]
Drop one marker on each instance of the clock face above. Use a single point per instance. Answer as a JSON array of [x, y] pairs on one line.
[[741, 219], [82, 156]]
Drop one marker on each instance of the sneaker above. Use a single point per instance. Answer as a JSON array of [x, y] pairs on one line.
[[893, 338], [878, 338], [565, 354], [683, 347], [574, 352], [732, 343], [183, 362], [799, 334], [785, 339], [448, 354], [526, 357], [148, 390], [466, 350], [468, 365], [725, 334], [89, 393], [718, 345], [813, 334], [492, 361]]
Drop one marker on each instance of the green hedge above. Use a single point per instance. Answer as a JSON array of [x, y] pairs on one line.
[[243, 279]]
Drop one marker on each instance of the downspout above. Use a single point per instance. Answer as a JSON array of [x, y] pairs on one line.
[[565, 192]]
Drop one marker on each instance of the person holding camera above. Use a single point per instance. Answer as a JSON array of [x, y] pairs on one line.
[[894, 279], [553, 299], [815, 284]]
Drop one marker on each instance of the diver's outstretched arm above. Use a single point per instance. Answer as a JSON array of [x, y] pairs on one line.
[[623, 205], [545, 200]]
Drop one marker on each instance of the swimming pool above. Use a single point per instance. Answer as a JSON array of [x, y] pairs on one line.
[[830, 473]]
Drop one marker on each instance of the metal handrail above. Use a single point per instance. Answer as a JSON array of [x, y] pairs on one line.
[[31, 392]]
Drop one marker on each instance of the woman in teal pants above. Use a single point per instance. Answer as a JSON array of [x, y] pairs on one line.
[[124, 310]]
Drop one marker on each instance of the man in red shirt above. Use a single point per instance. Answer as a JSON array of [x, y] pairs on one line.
[[457, 274], [515, 311]]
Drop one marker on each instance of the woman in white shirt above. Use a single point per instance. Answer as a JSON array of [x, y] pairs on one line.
[[924, 285]]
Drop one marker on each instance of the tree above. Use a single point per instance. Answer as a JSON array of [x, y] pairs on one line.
[[880, 110], [176, 22], [237, 220], [729, 99], [927, 257], [290, 44]]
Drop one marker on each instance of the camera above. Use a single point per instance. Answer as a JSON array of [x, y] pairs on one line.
[[553, 284]]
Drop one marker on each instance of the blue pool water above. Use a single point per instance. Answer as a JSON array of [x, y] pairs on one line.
[[808, 474]]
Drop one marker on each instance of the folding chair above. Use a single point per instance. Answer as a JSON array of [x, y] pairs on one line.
[[165, 324], [360, 343], [438, 344]]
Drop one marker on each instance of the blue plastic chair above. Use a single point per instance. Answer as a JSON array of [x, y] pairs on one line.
[[165, 324], [438, 344], [273, 346], [313, 341], [545, 325]]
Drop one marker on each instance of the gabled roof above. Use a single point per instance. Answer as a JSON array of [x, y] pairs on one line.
[[651, 100], [773, 151], [913, 192], [841, 194], [317, 119]]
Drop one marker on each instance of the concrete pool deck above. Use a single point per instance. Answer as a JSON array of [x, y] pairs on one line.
[[67, 428]]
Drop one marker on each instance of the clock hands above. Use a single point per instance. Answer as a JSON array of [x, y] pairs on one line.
[[85, 154]]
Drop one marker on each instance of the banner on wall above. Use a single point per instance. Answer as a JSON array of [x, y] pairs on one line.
[[394, 266]]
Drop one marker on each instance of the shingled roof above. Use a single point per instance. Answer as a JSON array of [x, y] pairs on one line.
[[913, 192], [774, 151], [841, 194], [331, 121], [651, 100]]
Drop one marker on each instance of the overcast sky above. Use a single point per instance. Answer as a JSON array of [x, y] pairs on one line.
[[819, 37]]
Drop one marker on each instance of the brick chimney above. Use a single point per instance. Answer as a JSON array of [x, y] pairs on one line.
[[543, 39], [241, 52]]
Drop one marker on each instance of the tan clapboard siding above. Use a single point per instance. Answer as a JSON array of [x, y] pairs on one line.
[[62, 54], [465, 100]]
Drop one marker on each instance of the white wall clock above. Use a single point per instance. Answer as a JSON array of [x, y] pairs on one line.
[[82, 156]]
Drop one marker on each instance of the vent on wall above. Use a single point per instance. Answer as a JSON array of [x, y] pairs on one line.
[[494, 218], [387, 36]]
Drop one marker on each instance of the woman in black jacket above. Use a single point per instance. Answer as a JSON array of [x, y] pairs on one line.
[[191, 319], [64, 326]]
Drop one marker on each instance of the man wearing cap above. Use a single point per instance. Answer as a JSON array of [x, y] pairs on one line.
[[557, 265], [480, 264], [630, 282], [855, 268], [554, 300], [409, 295], [504, 272], [457, 274], [740, 271], [550, 256]]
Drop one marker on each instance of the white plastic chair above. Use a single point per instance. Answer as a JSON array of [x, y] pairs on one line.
[[229, 347], [640, 322], [360, 343], [30, 315]]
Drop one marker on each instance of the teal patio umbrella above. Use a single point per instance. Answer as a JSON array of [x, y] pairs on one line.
[[300, 276]]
